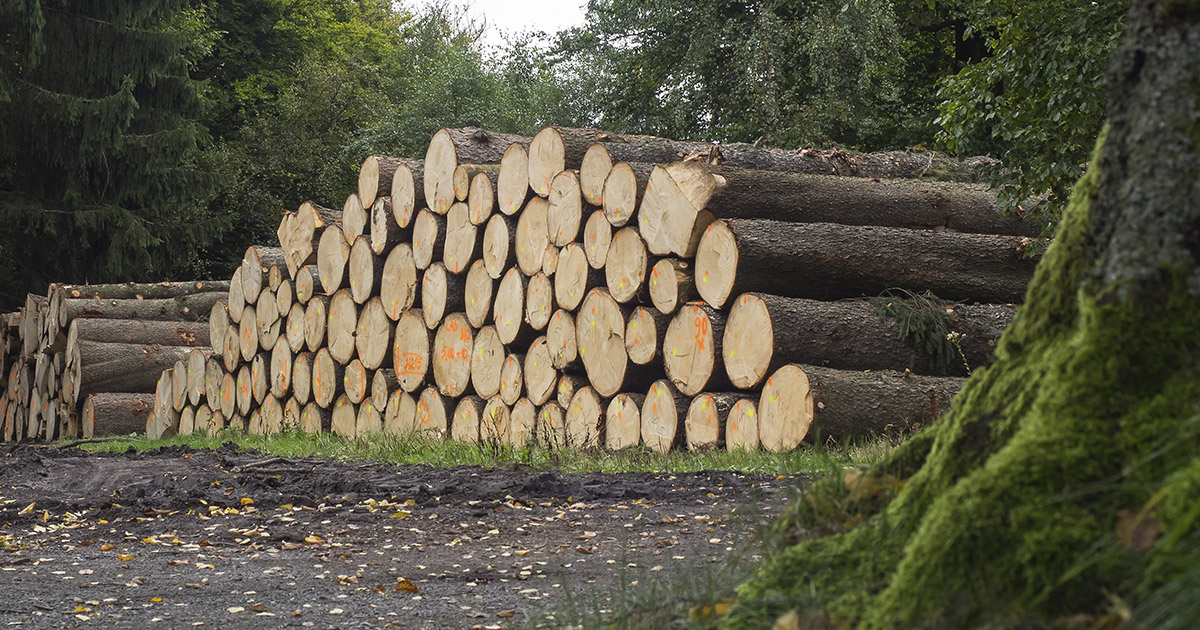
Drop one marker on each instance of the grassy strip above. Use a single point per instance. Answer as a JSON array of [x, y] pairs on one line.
[[417, 449]]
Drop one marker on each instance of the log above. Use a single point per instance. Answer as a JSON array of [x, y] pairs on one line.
[[285, 297], [280, 373], [343, 418], [671, 284], [356, 381], [575, 277], [532, 236], [741, 426], [163, 422], [207, 422], [428, 238], [597, 236], [197, 367], [623, 191], [302, 372], [369, 422], [551, 426], [243, 394], [561, 339], [398, 288], [539, 372], [593, 170], [462, 245], [433, 412], [494, 423], [315, 419], [115, 414], [304, 231], [260, 378], [825, 261], [266, 314], [441, 293], [326, 378], [706, 416], [275, 275], [410, 351], [375, 177], [487, 359], [333, 253], [512, 186], [499, 245], [179, 384], [627, 266], [383, 383], [400, 416], [550, 261], [623, 421], [316, 320], [464, 173], [121, 367], [568, 384], [539, 301], [522, 422], [365, 270], [256, 269], [294, 327], [385, 233], [162, 333], [451, 147], [477, 294], [481, 195], [512, 380], [564, 211], [306, 282], [187, 421], [672, 213], [663, 415], [644, 334], [213, 375], [354, 218], [691, 349], [452, 347], [185, 308], [373, 340], [555, 149], [232, 352], [465, 425], [600, 330], [408, 191], [584, 419], [341, 327], [228, 398], [292, 413], [139, 291], [509, 310]]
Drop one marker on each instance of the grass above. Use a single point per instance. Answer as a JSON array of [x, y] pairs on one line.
[[417, 449]]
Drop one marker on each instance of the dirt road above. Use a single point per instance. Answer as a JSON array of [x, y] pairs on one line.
[[178, 538]]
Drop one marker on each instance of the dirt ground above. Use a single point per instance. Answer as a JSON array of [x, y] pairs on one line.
[[178, 538]]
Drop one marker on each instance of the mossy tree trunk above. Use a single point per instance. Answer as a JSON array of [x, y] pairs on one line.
[[1018, 506]]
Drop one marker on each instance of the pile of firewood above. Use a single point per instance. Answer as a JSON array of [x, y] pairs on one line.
[[584, 288], [84, 360]]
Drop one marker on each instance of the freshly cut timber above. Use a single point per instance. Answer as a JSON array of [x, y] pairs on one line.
[[509, 310], [343, 420], [185, 308], [465, 425], [540, 375], [256, 267], [704, 424], [197, 366], [231, 352], [163, 333], [284, 297], [499, 245], [307, 279], [741, 426], [551, 426], [260, 376], [213, 374], [138, 291], [487, 359], [584, 417], [398, 289], [164, 421], [568, 384], [452, 347], [644, 334], [303, 231], [333, 254], [478, 294], [433, 411], [663, 415], [512, 187], [512, 380], [179, 384], [597, 236], [116, 414], [593, 170], [441, 293], [465, 173], [294, 330], [373, 340], [356, 381], [550, 261], [764, 332], [826, 261], [327, 378], [462, 244], [228, 398], [316, 320], [532, 236], [236, 301], [539, 301], [562, 340], [547, 158], [248, 333], [671, 216], [218, 323], [267, 318], [623, 421], [302, 373], [451, 147], [121, 367], [522, 422], [574, 277], [481, 197], [428, 238], [623, 191], [315, 419], [564, 212], [342, 325], [408, 191], [365, 271], [410, 351], [375, 177], [626, 266], [494, 422], [671, 284], [400, 416], [600, 330], [691, 349], [385, 234]]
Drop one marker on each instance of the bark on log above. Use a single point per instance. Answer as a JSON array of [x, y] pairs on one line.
[[143, 291], [116, 414], [122, 367], [185, 308], [826, 261], [162, 333]]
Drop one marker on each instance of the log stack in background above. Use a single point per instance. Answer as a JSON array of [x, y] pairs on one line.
[[84, 360], [588, 289]]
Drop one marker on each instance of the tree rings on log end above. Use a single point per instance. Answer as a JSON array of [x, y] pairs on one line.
[[716, 264], [623, 422], [785, 409]]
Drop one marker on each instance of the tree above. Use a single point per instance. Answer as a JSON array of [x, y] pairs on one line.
[[1067, 478], [98, 141]]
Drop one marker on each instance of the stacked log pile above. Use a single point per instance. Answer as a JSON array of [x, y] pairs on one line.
[[84, 360], [588, 289]]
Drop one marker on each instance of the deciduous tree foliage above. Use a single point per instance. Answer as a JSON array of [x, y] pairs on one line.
[[1066, 481]]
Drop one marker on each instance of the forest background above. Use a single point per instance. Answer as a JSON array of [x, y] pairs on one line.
[[155, 139]]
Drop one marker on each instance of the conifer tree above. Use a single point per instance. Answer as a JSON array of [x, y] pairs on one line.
[[98, 141]]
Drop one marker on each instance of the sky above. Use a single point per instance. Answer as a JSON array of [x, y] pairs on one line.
[[515, 16]]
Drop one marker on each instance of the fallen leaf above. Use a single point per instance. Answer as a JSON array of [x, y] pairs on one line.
[[27, 509], [107, 547], [247, 501], [236, 609], [314, 539], [125, 557], [156, 599], [582, 549], [405, 586], [505, 614], [258, 608]]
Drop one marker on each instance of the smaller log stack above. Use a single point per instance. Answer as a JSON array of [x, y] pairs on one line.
[[84, 360], [587, 289]]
